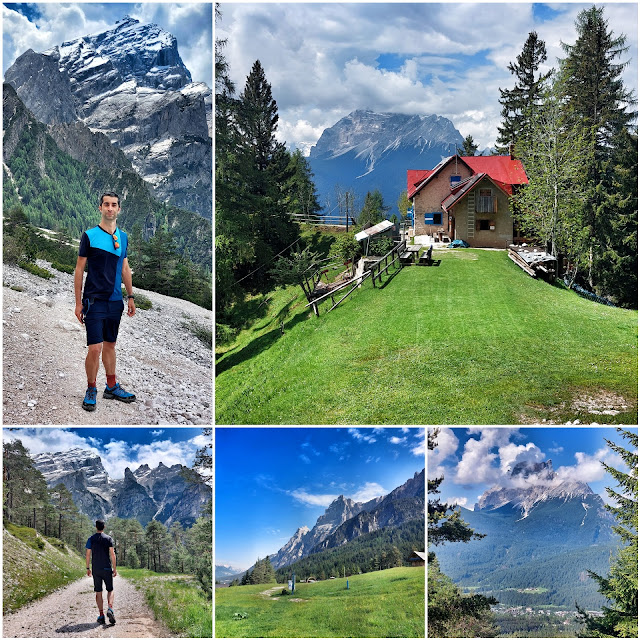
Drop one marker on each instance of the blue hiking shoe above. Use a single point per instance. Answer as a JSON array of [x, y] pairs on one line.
[[118, 393], [112, 618], [89, 402], [101, 620]]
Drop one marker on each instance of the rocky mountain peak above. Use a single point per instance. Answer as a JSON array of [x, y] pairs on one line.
[[129, 83], [526, 468]]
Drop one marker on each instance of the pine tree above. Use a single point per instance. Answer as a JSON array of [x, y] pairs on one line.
[[519, 103], [374, 209], [469, 147], [618, 265], [300, 190], [620, 587], [595, 93]]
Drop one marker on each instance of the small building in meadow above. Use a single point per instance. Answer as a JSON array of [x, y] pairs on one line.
[[417, 559], [467, 198]]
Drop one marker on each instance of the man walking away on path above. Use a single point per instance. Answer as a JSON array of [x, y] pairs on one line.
[[100, 306], [103, 566]]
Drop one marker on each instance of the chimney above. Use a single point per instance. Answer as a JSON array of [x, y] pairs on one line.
[[511, 150]]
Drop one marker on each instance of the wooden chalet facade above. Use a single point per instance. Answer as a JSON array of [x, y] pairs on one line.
[[417, 559], [467, 198]]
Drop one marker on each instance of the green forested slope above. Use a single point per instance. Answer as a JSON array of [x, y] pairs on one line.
[[58, 192]]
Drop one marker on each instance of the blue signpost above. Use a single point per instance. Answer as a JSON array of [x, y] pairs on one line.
[[347, 584]]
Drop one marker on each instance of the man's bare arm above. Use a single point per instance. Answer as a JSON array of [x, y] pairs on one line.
[[112, 555], [88, 557], [127, 281], [78, 276]]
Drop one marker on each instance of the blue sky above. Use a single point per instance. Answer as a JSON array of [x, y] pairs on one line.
[[270, 481], [39, 26], [118, 447], [325, 60], [475, 459]]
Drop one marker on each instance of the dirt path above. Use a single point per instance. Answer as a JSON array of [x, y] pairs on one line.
[[71, 613]]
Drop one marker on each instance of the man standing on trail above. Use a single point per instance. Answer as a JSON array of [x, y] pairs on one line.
[[100, 306], [103, 566]]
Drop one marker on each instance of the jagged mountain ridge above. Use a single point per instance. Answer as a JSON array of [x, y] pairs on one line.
[[129, 83], [544, 484], [367, 150], [145, 494], [346, 516]]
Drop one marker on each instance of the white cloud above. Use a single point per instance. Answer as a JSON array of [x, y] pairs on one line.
[[323, 61], [396, 440], [364, 437], [116, 455], [304, 458], [157, 432], [313, 500], [447, 446], [368, 491], [477, 462], [588, 468], [459, 501]]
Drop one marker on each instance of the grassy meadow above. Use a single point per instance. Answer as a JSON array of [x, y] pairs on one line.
[[381, 604], [473, 341], [175, 599]]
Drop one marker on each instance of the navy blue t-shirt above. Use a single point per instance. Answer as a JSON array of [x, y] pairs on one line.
[[99, 544], [104, 262]]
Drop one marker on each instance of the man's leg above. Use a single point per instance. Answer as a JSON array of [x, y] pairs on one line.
[[109, 358], [110, 598], [92, 361], [99, 600]]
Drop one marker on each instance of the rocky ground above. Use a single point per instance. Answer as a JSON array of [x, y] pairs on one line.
[[71, 612], [44, 346]]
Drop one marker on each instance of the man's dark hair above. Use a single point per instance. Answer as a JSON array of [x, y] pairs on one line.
[[111, 194], [100, 525]]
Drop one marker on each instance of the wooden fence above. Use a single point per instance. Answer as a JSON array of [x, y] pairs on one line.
[[376, 271]]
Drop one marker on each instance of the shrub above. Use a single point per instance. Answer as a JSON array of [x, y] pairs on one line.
[[142, 302], [346, 247], [35, 270], [380, 246], [65, 268], [204, 334], [225, 333]]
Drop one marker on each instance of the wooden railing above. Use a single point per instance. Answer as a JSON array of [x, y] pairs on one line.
[[376, 271], [397, 250]]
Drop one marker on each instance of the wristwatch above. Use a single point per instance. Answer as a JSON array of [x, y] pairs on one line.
[[130, 297]]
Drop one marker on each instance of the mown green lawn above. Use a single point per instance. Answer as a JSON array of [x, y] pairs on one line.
[[382, 604], [473, 341]]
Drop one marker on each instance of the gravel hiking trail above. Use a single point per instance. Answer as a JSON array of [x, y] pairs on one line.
[[71, 612]]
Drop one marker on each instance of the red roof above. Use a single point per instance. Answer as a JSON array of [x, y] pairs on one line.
[[505, 171], [414, 178]]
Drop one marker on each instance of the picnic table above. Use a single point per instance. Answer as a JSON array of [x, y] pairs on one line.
[[415, 249]]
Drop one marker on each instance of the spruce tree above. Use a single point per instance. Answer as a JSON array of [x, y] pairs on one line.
[[469, 147], [620, 587], [520, 102], [596, 93]]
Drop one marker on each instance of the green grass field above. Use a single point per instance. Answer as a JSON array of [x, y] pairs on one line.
[[473, 341], [175, 599], [382, 604]]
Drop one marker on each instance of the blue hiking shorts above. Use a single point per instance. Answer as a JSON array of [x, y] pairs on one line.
[[102, 319]]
